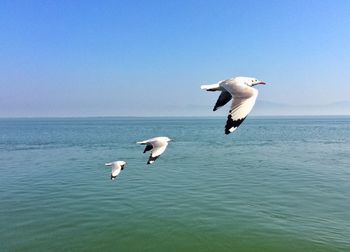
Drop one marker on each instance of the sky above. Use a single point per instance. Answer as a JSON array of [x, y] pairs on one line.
[[149, 58]]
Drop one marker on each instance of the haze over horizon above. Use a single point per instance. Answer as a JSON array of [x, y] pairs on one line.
[[120, 58]]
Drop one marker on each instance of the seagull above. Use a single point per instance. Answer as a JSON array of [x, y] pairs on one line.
[[243, 94], [157, 145], [117, 166]]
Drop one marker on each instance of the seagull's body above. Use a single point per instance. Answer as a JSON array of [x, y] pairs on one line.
[[157, 145], [244, 97], [117, 167]]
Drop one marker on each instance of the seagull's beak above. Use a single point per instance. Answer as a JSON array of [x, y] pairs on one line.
[[261, 82]]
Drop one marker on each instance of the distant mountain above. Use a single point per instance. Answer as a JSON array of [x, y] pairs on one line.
[[271, 108], [341, 103], [196, 108], [261, 108]]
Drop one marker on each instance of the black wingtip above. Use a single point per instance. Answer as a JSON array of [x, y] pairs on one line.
[[152, 159], [232, 124], [113, 177]]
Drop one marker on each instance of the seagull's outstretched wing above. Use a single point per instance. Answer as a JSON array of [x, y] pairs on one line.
[[224, 98], [156, 152], [115, 171], [240, 109]]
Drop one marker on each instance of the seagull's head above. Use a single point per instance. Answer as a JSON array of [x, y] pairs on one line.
[[250, 81], [121, 163]]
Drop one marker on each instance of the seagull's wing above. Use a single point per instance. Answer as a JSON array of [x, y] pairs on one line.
[[148, 148], [240, 108], [115, 171], [224, 98], [156, 152]]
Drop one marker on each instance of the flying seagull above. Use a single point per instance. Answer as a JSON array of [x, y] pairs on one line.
[[117, 166], [243, 94], [157, 145]]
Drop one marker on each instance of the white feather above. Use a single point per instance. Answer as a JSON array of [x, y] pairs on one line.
[[212, 87], [241, 107]]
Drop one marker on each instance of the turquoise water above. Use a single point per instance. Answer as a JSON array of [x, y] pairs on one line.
[[276, 184]]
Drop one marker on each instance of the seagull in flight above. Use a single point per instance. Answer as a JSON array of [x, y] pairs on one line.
[[244, 97], [117, 167], [156, 145]]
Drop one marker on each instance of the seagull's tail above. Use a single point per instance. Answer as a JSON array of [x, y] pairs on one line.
[[211, 87], [108, 164], [142, 142]]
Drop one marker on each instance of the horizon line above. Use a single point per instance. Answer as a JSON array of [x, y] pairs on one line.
[[167, 116]]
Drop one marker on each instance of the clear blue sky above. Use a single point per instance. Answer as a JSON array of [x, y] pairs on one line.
[[82, 58]]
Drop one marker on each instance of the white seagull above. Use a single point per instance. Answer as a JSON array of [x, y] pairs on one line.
[[157, 145], [243, 94], [117, 166]]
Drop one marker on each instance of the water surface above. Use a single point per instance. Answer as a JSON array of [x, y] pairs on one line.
[[276, 184]]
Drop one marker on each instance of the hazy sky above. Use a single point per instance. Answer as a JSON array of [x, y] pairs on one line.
[[81, 58]]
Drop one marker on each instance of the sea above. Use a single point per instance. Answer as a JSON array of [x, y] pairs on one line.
[[275, 184]]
